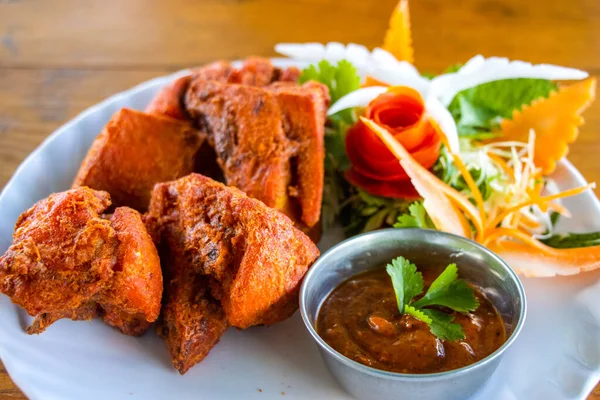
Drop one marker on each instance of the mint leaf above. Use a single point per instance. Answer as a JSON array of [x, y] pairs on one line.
[[407, 282], [442, 326], [573, 240], [478, 110], [416, 218], [418, 314], [449, 291]]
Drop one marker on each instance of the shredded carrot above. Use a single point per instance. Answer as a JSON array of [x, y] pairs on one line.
[[498, 160], [398, 38], [529, 223], [559, 208], [462, 168], [514, 233], [540, 202]]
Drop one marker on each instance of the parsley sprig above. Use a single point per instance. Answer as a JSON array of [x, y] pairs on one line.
[[445, 291]]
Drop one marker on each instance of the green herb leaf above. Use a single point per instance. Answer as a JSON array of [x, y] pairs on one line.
[[341, 79], [406, 280], [442, 326], [416, 218], [478, 110], [449, 291], [573, 240], [418, 314]]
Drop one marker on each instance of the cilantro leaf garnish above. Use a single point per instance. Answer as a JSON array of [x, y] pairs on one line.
[[445, 291], [341, 79], [418, 314], [449, 291], [407, 281], [442, 326], [416, 218]]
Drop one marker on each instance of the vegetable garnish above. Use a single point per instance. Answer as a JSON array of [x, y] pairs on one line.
[[529, 255], [478, 111], [555, 121], [442, 202], [446, 291], [416, 218], [502, 125], [398, 38], [374, 167]]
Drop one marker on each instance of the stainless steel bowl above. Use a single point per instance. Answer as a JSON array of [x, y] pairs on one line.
[[425, 248]]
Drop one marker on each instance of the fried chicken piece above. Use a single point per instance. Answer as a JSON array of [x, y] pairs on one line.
[[252, 251], [244, 255], [244, 125], [192, 321], [136, 150], [305, 109], [290, 74], [132, 301], [257, 71], [168, 100], [66, 261], [254, 71]]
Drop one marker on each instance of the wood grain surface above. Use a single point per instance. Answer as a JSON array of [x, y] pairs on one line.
[[59, 57]]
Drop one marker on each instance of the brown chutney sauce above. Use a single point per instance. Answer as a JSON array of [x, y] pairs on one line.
[[360, 319]]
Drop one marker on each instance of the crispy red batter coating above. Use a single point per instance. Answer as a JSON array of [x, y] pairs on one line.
[[304, 109], [244, 124], [134, 151], [132, 301], [168, 100], [251, 258], [254, 71], [66, 261], [192, 321]]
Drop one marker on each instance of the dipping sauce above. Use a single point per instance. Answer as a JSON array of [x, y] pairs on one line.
[[360, 319]]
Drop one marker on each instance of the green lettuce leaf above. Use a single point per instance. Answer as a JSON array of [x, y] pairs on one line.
[[573, 240], [479, 110]]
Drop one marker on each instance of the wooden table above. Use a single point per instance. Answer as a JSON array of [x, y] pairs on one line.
[[58, 58]]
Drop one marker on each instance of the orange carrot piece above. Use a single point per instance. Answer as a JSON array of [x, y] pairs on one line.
[[541, 201], [398, 38], [555, 121], [533, 258]]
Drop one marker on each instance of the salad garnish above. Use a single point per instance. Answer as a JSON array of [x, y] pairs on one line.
[[470, 151], [446, 291]]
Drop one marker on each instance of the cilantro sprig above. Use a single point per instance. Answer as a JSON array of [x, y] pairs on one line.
[[445, 291], [416, 217]]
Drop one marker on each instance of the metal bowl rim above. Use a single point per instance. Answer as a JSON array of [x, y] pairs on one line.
[[396, 375]]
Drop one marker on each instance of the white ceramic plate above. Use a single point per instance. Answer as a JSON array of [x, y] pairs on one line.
[[556, 357]]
